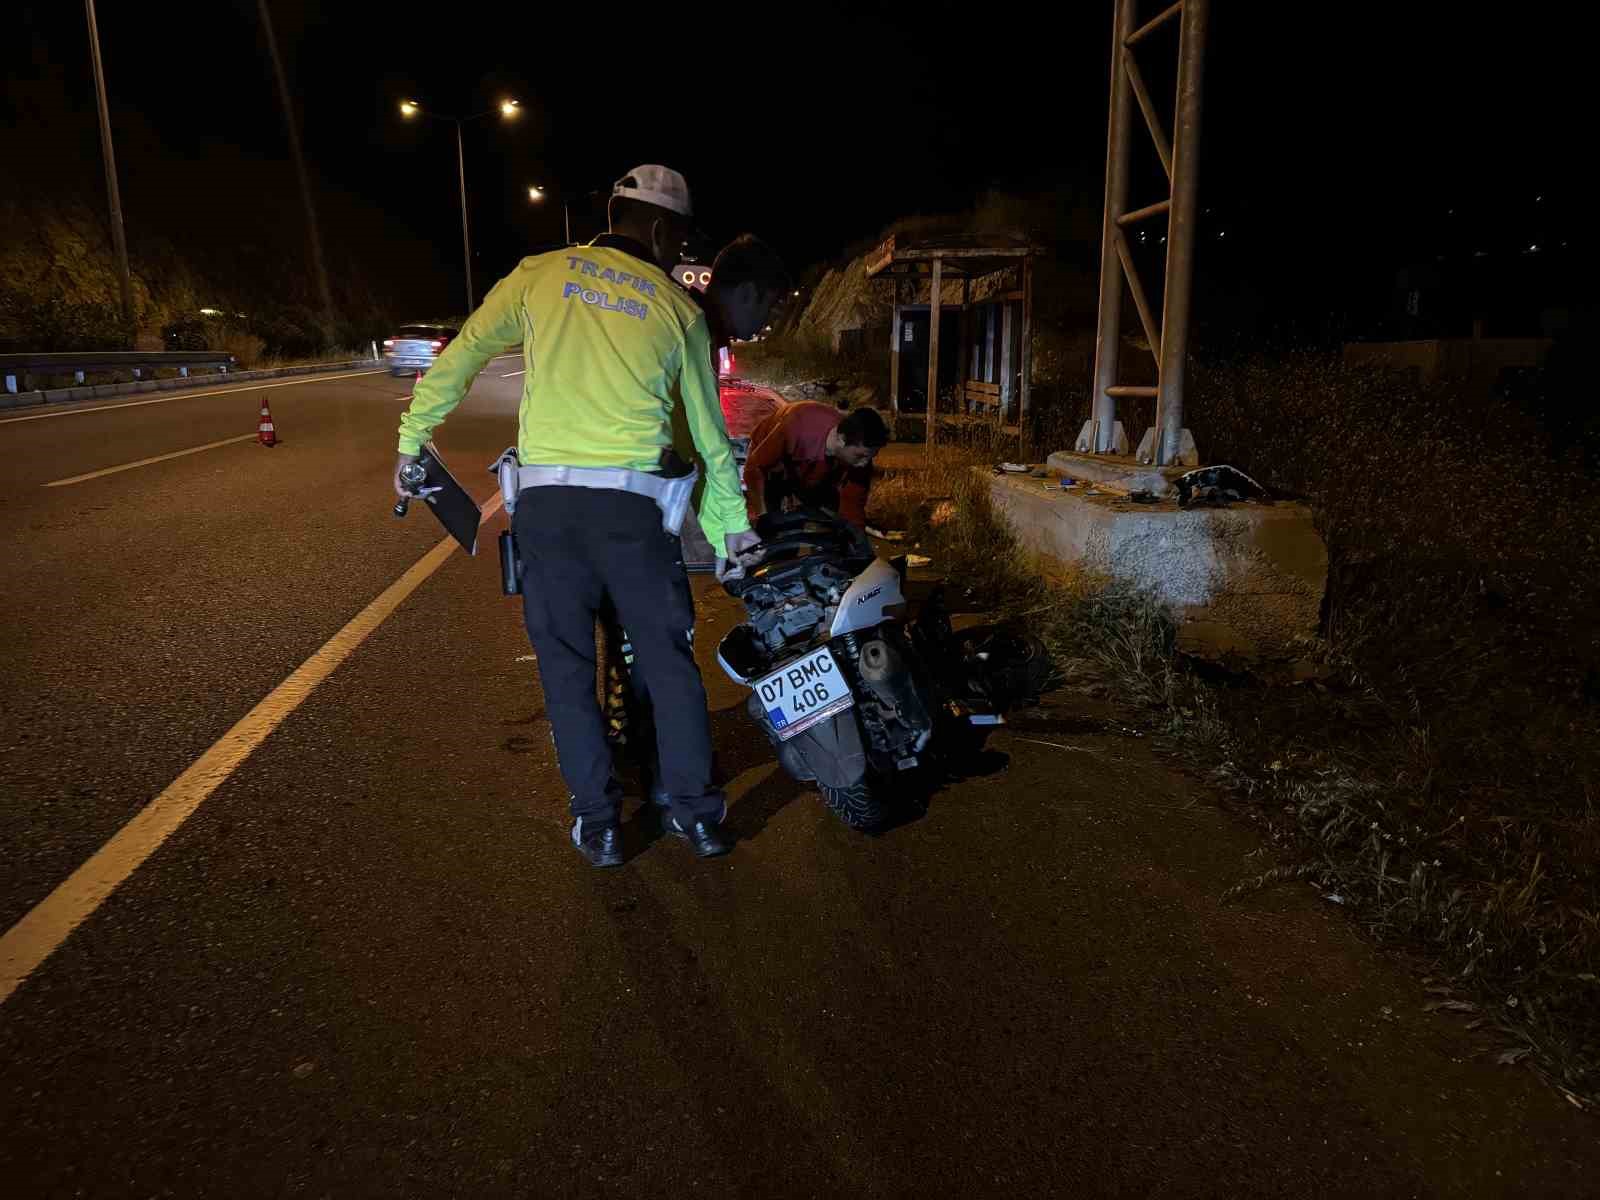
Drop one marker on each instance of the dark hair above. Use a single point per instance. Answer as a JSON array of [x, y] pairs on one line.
[[864, 427], [747, 259]]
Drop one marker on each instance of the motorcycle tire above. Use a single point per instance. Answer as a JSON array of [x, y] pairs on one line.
[[858, 806]]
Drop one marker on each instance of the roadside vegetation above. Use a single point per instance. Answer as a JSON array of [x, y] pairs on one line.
[[1438, 776], [218, 259]]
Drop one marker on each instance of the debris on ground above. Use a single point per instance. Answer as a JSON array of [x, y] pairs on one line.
[[1144, 497], [1010, 468], [917, 560], [1218, 485], [887, 535]]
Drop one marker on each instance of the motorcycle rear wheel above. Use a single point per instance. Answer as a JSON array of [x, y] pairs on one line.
[[858, 805]]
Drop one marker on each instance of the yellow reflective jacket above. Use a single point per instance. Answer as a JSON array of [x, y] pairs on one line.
[[610, 348]]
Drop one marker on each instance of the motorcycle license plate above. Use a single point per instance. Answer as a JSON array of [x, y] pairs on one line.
[[808, 690]]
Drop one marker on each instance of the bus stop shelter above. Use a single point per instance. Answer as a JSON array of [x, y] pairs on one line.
[[994, 304]]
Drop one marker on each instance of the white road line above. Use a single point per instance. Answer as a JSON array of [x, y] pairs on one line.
[[34, 938], [509, 374], [145, 462], [181, 395]]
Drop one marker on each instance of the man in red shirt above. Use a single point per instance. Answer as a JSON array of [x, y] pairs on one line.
[[815, 455]]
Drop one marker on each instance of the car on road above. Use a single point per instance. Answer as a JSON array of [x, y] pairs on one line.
[[414, 347]]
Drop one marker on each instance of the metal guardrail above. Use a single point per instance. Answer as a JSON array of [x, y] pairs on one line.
[[17, 367]]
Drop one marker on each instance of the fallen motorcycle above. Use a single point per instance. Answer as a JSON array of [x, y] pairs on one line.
[[852, 693]]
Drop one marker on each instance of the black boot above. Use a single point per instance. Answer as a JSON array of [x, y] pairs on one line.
[[601, 845], [704, 834]]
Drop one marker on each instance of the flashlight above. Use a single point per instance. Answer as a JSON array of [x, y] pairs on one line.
[[413, 475]]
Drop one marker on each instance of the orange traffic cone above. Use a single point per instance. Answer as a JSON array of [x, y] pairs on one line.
[[265, 434]]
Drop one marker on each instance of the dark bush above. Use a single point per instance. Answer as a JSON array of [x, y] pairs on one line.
[[188, 334]]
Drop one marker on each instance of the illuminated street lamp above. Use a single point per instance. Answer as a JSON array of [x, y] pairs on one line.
[[509, 110], [536, 194]]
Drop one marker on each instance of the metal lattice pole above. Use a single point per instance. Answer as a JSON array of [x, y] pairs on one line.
[[1167, 441], [1119, 144], [1181, 235]]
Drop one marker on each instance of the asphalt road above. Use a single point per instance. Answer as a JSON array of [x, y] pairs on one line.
[[370, 964]]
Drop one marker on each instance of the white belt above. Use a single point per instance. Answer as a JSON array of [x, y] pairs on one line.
[[671, 496]]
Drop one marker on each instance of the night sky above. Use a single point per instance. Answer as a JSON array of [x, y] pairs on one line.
[[1337, 141]]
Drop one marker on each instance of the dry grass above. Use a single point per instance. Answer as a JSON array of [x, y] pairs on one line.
[[1441, 779], [778, 361], [1088, 623], [247, 349], [1404, 787]]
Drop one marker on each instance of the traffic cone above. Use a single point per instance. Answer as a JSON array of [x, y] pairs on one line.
[[265, 434]]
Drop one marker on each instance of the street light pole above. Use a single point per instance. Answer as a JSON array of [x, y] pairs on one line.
[[466, 242], [119, 239], [509, 110], [537, 193], [313, 232]]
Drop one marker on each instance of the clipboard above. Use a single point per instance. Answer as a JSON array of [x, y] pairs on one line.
[[457, 511]]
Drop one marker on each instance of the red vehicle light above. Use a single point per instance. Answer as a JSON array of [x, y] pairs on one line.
[[436, 344], [388, 343]]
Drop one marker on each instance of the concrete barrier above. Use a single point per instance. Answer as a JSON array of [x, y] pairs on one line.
[[1245, 582]]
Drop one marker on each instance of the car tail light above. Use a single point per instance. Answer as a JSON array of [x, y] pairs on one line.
[[388, 343], [437, 344]]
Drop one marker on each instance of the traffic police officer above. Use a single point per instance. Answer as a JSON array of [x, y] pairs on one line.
[[610, 348]]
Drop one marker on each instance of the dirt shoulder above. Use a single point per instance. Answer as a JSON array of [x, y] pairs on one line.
[[1271, 1009]]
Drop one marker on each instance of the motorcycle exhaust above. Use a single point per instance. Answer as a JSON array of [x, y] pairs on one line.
[[883, 671], [876, 662]]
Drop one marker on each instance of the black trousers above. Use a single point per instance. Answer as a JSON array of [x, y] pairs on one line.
[[580, 548]]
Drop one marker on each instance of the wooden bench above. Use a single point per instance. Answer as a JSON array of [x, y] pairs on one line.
[[981, 397]]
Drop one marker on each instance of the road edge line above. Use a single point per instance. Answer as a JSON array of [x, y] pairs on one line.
[[42, 930], [145, 462]]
